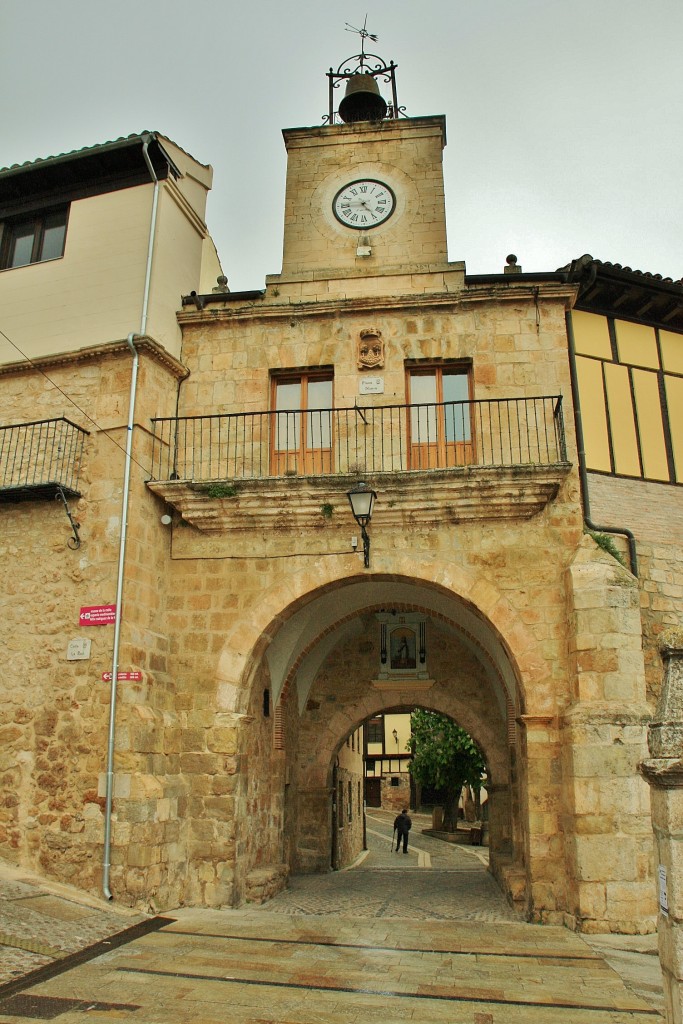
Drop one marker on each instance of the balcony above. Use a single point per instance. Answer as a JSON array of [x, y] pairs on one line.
[[40, 459], [455, 461]]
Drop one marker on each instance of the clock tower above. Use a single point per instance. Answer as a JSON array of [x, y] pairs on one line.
[[365, 193]]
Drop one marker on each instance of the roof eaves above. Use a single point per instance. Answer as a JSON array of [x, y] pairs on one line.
[[128, 141], [577, 267]]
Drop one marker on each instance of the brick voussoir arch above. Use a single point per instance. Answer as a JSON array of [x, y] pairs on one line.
[[246, 642], [344, 720]]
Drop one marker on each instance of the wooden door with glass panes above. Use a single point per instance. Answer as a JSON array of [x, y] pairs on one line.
[[301, 424], [440, 423]]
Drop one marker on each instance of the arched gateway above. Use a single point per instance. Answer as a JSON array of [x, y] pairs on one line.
[[302, 668], [323, 672]]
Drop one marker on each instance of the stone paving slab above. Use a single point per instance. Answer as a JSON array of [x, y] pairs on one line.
[[333, 948], [251, 967]]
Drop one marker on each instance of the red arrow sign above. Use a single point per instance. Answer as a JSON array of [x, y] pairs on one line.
[[131, 677], [97, 615]]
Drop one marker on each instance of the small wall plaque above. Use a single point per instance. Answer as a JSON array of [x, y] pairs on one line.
[[78, 650], [371, 386], [663, 891]]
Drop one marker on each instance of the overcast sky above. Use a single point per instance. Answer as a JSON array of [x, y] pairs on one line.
[[563, 118]]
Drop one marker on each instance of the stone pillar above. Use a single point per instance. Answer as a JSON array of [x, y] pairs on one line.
[[664, 771], [605, 814]]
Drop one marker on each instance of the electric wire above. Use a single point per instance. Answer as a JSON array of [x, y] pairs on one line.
[[71, 400]]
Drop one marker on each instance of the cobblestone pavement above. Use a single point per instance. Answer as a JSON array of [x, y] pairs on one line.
[[41, 922], [435, 880], [425, 937]]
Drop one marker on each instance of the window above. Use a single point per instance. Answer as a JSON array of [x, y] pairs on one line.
[[301, 437], [33, 239], [349, 808], [375, 730], [440, 417]]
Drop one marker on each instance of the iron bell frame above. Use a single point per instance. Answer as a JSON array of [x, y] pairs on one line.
[[364, 64]]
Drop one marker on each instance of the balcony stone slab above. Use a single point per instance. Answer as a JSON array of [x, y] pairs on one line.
[[465, 494]]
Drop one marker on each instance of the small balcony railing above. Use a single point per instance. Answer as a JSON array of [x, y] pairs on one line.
[[40, 458], [359, 441]]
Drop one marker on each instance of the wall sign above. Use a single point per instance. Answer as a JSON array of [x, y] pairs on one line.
[[128, 677], [663, 891], [78, 650], [371, 386], [97, 615]]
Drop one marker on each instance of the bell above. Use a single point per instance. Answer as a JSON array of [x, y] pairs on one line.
[[362, 101]]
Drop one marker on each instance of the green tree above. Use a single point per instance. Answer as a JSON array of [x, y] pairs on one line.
[[446, 758]]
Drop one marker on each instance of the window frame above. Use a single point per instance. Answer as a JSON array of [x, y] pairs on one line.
[[303, 460], [10, 226], [440, 453], [376, 724]]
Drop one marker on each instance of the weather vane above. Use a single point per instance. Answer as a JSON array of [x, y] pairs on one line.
[[364, 34], [352, 71]]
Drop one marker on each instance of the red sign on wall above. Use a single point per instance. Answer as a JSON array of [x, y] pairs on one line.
[[132, 677], [97, 615]]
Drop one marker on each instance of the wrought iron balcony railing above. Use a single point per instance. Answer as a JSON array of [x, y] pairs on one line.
[[40, 459], [359, 441]]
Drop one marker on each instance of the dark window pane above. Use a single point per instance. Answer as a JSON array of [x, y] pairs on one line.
[[33, 240], [375, 731], [53, 236], [21, 245]]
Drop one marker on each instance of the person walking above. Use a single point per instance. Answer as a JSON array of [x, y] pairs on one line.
[[402, 826]]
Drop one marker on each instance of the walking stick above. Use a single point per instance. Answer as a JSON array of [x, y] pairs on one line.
[[393, 838]]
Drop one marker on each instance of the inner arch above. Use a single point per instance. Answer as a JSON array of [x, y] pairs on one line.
[[301, 645]]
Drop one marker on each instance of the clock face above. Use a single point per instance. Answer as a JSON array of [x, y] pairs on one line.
[[364, 204]]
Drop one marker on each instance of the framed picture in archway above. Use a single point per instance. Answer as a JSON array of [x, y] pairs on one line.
[[402, 648]]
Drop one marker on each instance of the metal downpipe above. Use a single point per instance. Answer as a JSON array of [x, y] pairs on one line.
[[106, 863], [111, 741]]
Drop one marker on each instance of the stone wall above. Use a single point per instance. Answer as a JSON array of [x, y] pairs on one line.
[[605, 726], [395, 798], [654, 513], [514, 351], [54, 711], [350, 814]]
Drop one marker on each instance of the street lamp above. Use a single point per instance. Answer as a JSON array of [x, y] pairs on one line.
[[362, 499]]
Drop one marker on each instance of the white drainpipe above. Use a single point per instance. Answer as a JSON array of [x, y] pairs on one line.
[[106, 859]]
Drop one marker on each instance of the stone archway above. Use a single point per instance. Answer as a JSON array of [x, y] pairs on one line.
[[342, 696], [279, 797]]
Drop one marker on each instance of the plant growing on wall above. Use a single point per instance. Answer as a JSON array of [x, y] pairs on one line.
[[221, 490], [604, 541], [446, 758]]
